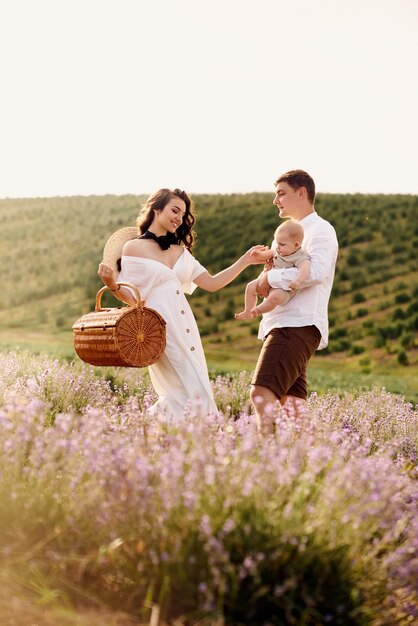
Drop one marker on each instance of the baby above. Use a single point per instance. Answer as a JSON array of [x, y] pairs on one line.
[[286, 253]]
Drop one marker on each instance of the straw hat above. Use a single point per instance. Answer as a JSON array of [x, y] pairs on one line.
[[113, 248]]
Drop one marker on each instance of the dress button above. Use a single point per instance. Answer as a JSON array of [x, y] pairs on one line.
[[182, 312], [177, 292], [192, 348], [187, 330]]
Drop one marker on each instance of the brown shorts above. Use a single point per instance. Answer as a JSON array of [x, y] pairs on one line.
[[281, 366]]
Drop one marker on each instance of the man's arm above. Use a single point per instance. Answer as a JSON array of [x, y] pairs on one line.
[[323, 250], [304, 269]]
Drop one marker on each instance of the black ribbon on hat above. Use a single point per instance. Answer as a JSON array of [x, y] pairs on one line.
[[164, 241]]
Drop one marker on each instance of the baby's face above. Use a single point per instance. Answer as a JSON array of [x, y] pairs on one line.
[[285, 244]]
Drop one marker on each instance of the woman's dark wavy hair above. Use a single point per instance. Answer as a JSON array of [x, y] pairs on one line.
[[156, 202]]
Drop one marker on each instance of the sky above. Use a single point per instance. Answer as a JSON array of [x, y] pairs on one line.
[[212, 96]]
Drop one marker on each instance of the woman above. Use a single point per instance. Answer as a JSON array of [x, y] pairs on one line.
[[159, 263]]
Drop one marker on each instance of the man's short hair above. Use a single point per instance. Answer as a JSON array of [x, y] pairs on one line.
[[296, 179]]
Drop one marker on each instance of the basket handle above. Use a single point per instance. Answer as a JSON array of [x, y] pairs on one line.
[[139, 303]]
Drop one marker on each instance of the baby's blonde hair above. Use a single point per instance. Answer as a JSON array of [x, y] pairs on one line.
[[292, 229]]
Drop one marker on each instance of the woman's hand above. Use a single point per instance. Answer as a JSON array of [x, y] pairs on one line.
[[107, 275], [256, 254]]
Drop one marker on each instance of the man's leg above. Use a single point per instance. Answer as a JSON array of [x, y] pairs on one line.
[[280, 373], [265, 404], [292, 406]]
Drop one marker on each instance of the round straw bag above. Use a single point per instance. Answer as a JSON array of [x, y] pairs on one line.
[[131, 336]]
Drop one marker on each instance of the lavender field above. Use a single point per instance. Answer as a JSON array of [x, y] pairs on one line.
[[108, 517]]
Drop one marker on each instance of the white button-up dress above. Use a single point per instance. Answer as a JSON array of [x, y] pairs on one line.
[[180, 377]]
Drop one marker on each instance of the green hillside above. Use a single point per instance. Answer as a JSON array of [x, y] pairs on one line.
[[51, 249]]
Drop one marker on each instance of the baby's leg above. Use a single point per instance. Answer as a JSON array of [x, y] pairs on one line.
[[275, 297], [250, 301]]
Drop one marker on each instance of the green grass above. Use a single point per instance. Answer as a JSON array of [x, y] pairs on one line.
[[57, 345], [323, 377]]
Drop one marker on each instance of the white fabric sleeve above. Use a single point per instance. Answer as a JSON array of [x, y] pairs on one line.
[[193, 270], [323, 249]]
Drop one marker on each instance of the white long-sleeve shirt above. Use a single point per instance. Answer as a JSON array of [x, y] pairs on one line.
[[309, 306]]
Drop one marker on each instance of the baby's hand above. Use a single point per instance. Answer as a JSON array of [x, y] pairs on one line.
[[259, 252], [295, 284]]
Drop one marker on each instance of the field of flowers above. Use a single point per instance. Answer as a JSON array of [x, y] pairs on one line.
[[108, 517]]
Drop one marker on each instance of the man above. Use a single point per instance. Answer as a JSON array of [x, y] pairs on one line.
[[291, 333]]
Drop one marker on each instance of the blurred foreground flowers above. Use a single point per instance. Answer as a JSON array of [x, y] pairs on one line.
[[101, 505]]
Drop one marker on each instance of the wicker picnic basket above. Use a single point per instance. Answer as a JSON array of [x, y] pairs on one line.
[[131, 336]]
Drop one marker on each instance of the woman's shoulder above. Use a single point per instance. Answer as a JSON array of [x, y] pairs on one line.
[[187, 255], [134, 247]]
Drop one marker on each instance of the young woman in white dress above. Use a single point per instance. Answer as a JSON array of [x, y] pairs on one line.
[[159, 263]]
